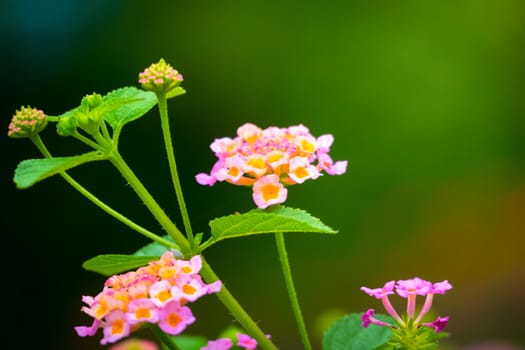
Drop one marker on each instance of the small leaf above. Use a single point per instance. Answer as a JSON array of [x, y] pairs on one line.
[[30, 171], [175, 92], [257, 221], [189, 342], [110, 264], [347, 333], [154, 248], [124, 105]]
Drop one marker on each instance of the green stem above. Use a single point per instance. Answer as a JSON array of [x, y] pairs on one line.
[[163, 109], [164, 338], [236, 309], [42, 148], [87, 141], [287, 273], [150, 202]]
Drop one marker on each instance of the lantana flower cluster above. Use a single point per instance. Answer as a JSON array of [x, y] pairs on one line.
[[160, 77], [270, 159], [27, 122], [154, 294], [408, 289]]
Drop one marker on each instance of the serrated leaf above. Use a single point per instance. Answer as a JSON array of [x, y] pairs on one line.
[[110, 264], [154, 248], [175, 92], [126, 104], [347, 333], [257, 221], [30, 171]]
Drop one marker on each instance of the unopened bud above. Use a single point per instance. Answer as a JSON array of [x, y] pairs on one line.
[[27, 122], [160, 77]]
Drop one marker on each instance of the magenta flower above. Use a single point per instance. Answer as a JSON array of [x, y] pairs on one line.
[[271, 159], [156, 294], [438, 324], [408, 289], [368, 318], [246, 342]]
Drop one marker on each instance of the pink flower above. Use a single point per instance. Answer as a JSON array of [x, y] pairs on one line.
[[142, 310], [246, 342], [90, 331], [160, 293], [116, 327], [408, 289], [438, 324], [368, 318], [219, 344], [268, 190], [291, 154], [173, 318], [154, 294]]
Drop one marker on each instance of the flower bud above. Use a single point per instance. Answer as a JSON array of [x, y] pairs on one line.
[[87, 116], [67, 125], [160, 78], [27, 122]]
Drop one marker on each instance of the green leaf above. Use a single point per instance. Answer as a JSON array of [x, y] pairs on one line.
[[189, 342], [110, 264], [175, 92], [347, 333], [257, 221], [154, 248], [30, 171], [124, 105]]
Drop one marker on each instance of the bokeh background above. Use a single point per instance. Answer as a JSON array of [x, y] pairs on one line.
[[425, 99]]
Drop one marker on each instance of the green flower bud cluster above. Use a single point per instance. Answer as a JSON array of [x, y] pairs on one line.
[[27, 122], [87, 117], [160, 77]]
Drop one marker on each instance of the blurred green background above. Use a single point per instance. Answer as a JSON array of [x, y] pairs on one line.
[[425, 99]]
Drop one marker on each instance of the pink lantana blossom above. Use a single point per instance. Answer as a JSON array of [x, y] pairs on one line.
[[135, 344], [268, 190], [271, 156], [408, 289], [219, 344], [246, 342], [173, 318], [156, 293], [116, 327]]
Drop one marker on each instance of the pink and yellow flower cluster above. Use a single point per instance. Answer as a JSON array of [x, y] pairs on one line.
[[408, 289], [156, 294], [271, 159]]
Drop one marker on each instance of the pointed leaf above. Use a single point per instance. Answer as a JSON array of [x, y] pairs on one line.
[[257, 221], [30, 171], [124, 105], [175, 92], [110, 264], [154, 248], [347, 333], [189, 342]]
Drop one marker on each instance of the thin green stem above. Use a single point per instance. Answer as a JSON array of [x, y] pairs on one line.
[[87, 141], [105, 131], [163, 109], [236, 309], [287, 273], [150, 202], [164, 338], [42, 148]]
